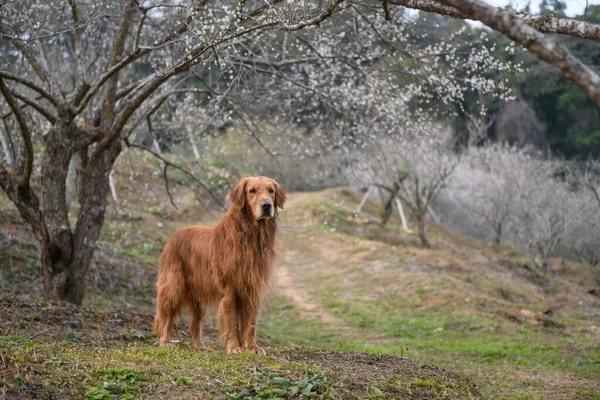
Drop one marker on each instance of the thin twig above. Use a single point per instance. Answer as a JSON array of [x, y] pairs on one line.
[[177, 167], [166, 166]]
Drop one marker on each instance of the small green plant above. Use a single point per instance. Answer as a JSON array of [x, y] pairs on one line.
[[377, 393], [117, 382], [312, 384], [183, 380]]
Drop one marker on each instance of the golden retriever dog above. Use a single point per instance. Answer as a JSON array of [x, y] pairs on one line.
[[227, 267]]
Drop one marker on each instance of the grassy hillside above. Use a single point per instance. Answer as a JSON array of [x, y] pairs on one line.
[[356, 312]]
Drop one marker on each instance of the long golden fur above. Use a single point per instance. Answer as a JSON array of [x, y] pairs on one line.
[[227, 267]]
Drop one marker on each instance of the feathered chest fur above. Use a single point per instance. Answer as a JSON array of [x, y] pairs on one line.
[[251, 248]]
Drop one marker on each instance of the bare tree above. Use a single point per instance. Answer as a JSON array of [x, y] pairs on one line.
[[583, 241], [414, 172], [429, 169], [547, 210], [484, 185]]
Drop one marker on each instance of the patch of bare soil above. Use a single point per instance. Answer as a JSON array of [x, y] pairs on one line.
[[23, 316], [361, 373]]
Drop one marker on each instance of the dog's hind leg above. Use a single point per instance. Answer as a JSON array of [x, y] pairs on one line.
[[170, 297], [197, 312]]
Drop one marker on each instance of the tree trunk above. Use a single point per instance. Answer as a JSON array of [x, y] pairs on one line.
[[67, 254], [498, 234], [420, 217], [388, 207], [387, 210], [60, 281], [56, 236], [545, 264]]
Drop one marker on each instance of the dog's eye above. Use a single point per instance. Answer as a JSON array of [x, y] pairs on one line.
[[253, 191], [271, 191]]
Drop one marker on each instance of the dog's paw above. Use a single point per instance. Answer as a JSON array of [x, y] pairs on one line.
[[257, 350], [234, 350]]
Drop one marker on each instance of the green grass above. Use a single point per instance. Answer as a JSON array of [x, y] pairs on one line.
[[280, 324], [66, 369]]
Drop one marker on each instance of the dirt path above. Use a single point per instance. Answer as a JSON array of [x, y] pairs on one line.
[[287, 284], [292, 264]]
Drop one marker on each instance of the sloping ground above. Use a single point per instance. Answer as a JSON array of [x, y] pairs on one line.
[[347, 293], [463, 304], [51, 350]]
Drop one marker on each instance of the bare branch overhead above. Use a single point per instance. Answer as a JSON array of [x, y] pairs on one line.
[[544, 47], [548, 24]]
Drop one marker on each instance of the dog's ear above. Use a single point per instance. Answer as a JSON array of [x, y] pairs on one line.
[[280, 196], [237, 197]]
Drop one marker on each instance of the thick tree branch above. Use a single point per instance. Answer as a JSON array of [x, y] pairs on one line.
[[536, 42], [32, 86], [548, 24], [35, 105], [77, 30], [25, 133], [117, 52], [131, 57], [25, 200]]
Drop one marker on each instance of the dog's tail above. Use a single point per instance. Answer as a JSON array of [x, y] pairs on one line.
[[170, 288]]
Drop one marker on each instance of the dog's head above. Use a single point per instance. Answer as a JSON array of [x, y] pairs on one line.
[[261, 195]]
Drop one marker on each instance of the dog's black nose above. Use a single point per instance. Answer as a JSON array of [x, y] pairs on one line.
[[266, 206]]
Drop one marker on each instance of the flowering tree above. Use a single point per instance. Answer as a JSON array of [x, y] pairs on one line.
[[546, 212], [528, 31], [78, 78]]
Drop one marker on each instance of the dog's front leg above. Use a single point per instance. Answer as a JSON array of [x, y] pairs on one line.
[[228, 321], [249, 316]]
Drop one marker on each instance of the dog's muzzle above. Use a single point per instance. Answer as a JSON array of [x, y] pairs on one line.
[[266, 209]]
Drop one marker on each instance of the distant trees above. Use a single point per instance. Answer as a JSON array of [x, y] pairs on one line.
[[487, 185], [546, 211], [527, 31], [531, 203]]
